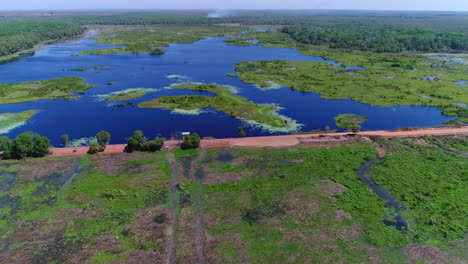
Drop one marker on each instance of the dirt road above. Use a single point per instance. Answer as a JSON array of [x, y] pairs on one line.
[[171, 248], [280, 141]]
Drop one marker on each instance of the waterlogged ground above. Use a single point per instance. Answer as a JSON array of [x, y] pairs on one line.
[[297, 205], [206, 61]]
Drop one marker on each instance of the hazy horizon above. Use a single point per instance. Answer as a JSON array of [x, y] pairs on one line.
[[90, 5]]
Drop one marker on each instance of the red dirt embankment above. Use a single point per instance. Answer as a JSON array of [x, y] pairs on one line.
[[280, 141]]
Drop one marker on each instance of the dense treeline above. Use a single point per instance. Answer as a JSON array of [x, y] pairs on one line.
[[22, 33], [25, 145], [16, 36], [435, 21], [381, 38]]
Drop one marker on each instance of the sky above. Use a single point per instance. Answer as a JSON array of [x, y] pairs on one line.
[[425, 5]]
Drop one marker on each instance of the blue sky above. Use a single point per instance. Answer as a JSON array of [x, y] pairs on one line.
[[439, 5]]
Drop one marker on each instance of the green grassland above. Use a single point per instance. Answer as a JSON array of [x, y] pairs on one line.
[[10, 121], [138, 38], [299, 205], [283, 208], [49, 89], [93, 209], [434, 190], [225, 101]]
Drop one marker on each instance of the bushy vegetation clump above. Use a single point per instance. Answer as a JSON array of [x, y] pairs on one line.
[[102, 139], [138, 142], [25, 145], [191, 142], [350, 122]]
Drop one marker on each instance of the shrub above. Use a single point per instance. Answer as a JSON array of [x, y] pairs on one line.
[[103, 138], [22, 146], [191, 142], [137, 142], [6, 146], [40, 147], [132, 145], [241, 132], [94, 148], [153, 145], [65, 140]]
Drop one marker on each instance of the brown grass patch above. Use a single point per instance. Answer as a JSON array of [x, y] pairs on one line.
[[324, 141], [429, 255], [34, 170], [77, 213], [107, 243], [142, 169], [146, 229], [111, 163], [212, 177], [145, 257], [185, 239], [330, 189], [211, 242]]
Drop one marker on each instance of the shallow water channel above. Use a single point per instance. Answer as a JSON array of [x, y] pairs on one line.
[[393, 205]]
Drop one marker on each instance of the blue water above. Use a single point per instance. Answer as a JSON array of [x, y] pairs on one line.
[[205, 61], [463, 83], [394, 206]]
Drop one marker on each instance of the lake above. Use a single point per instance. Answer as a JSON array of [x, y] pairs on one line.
[[206, 61]]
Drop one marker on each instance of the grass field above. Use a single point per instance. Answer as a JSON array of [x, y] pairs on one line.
[[225, 101], [297, 205], [62, 88], [94, 209]]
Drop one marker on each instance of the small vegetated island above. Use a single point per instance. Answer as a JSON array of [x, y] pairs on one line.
[[350, 122], [224, 100], [88, 68], [127, 94], [61, 88]]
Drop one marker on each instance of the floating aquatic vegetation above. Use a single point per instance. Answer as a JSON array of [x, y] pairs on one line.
[[232, 89], [88, 68], [291, 124], [271, 86], [178, 77], [84, 141], [194, 112], [452, 59], [10, 121]]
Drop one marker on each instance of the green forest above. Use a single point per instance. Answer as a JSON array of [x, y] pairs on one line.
[[378, 38], [16, 36]]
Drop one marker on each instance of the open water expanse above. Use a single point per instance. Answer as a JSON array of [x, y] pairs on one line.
[[206, 61]]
